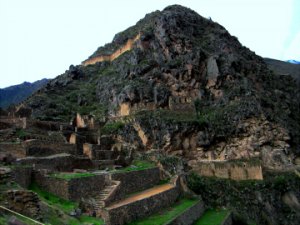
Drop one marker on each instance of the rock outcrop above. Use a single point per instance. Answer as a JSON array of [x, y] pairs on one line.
[[24, 202]]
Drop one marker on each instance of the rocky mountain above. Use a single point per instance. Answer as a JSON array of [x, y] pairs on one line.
[[17, 93], [180, 82]]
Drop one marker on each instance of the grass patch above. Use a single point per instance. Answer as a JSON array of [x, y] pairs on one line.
[[66, 207], [86, 220], [70, 176], [112, 127], [136, 166], [168, 214], [53, 200], [212, 217]]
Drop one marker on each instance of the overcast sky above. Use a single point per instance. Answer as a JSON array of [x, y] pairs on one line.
[[41, 38]]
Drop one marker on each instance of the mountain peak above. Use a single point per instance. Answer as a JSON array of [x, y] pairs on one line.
[[177, 64]]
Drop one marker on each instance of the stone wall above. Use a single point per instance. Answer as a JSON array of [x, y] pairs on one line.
[[73, 189], [229, 170], [58, 187], [141, 208], [61, 162], [23, 175], [126, 47], [15, 149], [134, 181], [126, 108], [45, 148], [181, 103], [86, 186], [48, 125], [189, 216], [13, 122]]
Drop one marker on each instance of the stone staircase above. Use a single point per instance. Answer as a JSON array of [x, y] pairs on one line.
[[103, 195], [98, 202]]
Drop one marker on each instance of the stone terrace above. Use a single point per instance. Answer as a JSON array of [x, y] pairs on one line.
[[145, 203]]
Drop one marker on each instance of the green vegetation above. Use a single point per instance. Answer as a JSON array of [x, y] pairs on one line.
[[82, 220], [167, 215], [64, 206], [3, 219], [212, 217], [112, 127], [170, 163], [135, 166], [70, 176], [21, 133], [241, 196], [53, 200]]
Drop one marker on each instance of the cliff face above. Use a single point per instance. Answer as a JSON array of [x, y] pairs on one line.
[[185, 85]]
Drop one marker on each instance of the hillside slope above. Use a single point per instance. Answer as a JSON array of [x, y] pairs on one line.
[[284, 68], [17, 93], [185, 86]]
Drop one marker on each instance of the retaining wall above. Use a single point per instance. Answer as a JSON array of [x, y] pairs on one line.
[[13, 122], [15, 149], [140, 208], [189, 216], [73, 189], [126, 47], [62, 162], [58, 187], [23, 175], [46, 148], [230, 170], [134, 181]]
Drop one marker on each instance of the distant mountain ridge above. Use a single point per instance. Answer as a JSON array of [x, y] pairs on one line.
[[17, 93], [293, 61]]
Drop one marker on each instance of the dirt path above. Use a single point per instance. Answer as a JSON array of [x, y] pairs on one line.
[[141, 195]]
